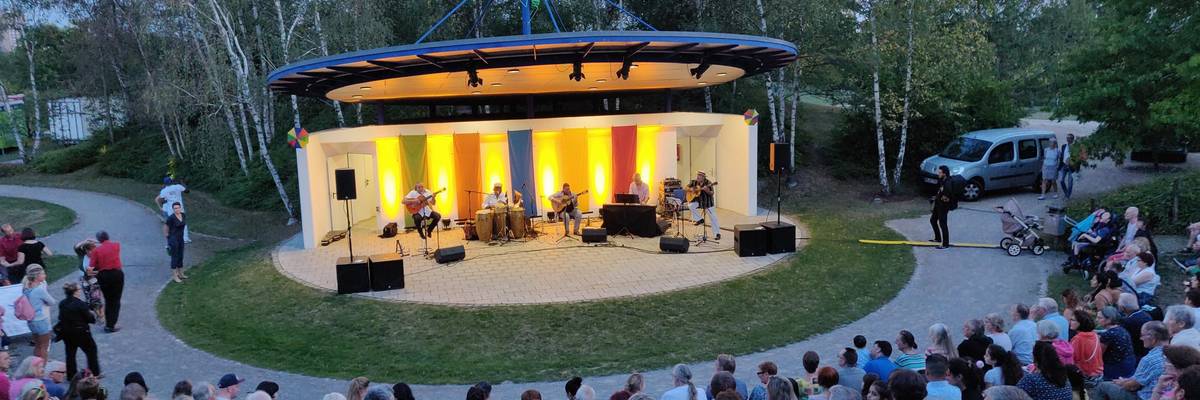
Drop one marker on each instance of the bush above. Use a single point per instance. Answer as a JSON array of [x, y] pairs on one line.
[[67, 159], [141, 157], [1154, 201]]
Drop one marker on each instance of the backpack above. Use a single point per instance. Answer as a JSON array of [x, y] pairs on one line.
[[24, 309]]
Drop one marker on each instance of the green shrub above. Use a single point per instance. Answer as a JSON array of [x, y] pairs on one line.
[[67, 159], [1154, 201], [141, 157]]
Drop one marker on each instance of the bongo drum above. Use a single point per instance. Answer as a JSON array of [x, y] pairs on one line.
[[483, 224], [516, 221]]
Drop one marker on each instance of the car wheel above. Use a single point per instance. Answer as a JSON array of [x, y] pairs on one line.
[[973, 190]]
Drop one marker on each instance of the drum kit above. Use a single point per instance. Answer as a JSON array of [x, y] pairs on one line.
[[501, 222]]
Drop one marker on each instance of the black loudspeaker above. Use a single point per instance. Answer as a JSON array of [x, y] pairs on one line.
[[345, 187], [595, 235], [673, 244], [781, 157], [448, 254], [782, 237], [750, 240], [353, 276], [387, 272]]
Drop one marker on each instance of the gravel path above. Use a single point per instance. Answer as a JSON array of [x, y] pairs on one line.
[[948, 286]]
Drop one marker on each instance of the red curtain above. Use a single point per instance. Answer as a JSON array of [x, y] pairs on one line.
[[624, 157]]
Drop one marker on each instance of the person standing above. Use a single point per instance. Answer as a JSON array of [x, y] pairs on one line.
[[171, 193], [1066, 170], [33, 287], [422, 197], [28, 253], [640, 189], [705, 200], [106, 262], [9, 242], [74, 320], [943, 201], [176, 226], [1049, 168], [568, 201]]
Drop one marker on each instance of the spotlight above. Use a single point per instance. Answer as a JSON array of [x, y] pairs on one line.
[[700, 69], [473, 79], [577, 75], [623, 73], [475, 92], [497, 84], [513, 71], [364, 88], [701, 83], [592, 88], [357, 96], [722, 73], [601, 80]]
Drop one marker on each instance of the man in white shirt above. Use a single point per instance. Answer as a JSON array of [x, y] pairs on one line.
[[497, 200], [420, 196], [570, 210], [1182, 324], [640, 189], [171, 193]]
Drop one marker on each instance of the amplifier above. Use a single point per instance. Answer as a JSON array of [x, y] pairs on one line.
[[387, 272], [595, 235], [353, 276], [783, 237], [750, 240], [673, 244], [449, 254]]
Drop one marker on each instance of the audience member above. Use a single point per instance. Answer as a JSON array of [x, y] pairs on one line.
[[230, 384], [808, 383], [940, 342], [572, 387], [1144, 279], [1050, 309], [33, 287], [401, 391], [1188, 384], [777, 389], [30, 252], [1141, 385], [31, 369], [1049, 381], [766, 370], [721, 381], [684, 388], [487, 389], [272, 388], [634, 385], [839, 392], [1006, 368], [56, 379], [182, 389], [727, 363], [1085, 345], [864, 354], [1005, 393], [726, 395], [475, 393], [880, 364], [1133, 317], [205, 391], [910, 357], [1191, 298], [879, 391], [868, 380], [906, 384], [937, 366], [336, 396], [5, 364], [105, 262], [585, 392], [10, 240], [1119, 360], [849, 374], [526, 395], [975, 340], [964, 375], [75, 329], [1107, 289], [1177, 358], [356, 390], [261, 395], [827, 377], [89, 389], [1048, 333], [993, 325], [1181, 323], [134, 392], [1023, 334]]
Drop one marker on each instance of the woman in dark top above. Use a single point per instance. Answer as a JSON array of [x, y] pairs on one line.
[[1049, 382], [74, 328], [29, 252], [176, 222], [968, 378], [1116, 345]]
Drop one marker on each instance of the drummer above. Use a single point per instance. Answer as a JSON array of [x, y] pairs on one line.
[[497, 201]]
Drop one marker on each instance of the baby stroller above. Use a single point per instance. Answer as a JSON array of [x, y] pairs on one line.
[[1021, 230]]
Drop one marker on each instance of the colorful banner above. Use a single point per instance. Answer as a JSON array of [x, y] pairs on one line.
[[573, 145], [466, 174], [413, 169], [520, 156], [624, 157]]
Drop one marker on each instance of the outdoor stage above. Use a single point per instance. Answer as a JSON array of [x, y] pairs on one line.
[[536, 271]]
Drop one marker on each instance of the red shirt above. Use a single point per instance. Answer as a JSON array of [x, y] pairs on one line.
[[106, 256], [8, 247]]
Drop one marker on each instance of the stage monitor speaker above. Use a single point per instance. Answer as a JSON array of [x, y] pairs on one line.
[[595, 235], [387, 272], [673, 244], [782, 237], [353, 276], [449, 254], [345, 187], [781, 157], [750, 240]]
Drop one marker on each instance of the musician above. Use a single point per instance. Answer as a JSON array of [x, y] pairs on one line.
[[497, 200], [704, 201], [426, 213], [570, 210], [640, 189]]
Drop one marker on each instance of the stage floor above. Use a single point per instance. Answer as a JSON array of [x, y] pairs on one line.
[[536, 271]]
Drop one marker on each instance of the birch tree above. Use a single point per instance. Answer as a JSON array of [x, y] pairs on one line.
[[883, 171], [22, 21], [337, 105], [908, 64], [12, 122], [204, 50]]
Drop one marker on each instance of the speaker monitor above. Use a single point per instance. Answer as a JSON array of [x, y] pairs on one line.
[[782, 237], [673, 244], [781, 157], [387, 272], [353, 276], [750, 240], [345, 187], [595, 235], [449, 254]]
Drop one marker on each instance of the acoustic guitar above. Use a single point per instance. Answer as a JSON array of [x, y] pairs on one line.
[[415, 205], [692, 192], [564, 203]]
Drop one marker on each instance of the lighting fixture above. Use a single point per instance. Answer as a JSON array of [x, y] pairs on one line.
[[497, 84], [699, 71], [634, 66], [475, 92], [601, 80], [722, 73], [592, 88], [473, 79], [364, 88], [577, 72], [626, 65], [702, 83], [357, 96], [513, 71]]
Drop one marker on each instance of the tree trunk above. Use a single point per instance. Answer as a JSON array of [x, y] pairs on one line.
[[883, 173], [37, 109], [795, 106], [907, 95], [776, 132], [337, 106], [12, 123], [204, 50]]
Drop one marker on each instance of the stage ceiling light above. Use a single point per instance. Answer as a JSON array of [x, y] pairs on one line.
[[513, 70], [699, 71], [577, 72], [473, 78], [497, 84], [365, 88], [623, 73], [601, 80]]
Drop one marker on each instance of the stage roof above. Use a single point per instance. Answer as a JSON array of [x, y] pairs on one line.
[[534, 64]]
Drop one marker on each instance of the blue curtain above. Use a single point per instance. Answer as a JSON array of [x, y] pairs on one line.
[[520, 159]]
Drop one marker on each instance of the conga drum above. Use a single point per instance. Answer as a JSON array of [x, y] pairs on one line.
[[483, 224], [516, 221], [499, 219]]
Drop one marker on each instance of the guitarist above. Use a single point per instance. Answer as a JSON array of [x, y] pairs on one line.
[[704, 201], [422, 197], [568, 201]]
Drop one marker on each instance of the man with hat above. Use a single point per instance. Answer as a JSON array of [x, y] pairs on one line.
[[228, 387], [497, 200], [704, 201]]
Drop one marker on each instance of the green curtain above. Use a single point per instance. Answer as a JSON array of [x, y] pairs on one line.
[[413, 167]]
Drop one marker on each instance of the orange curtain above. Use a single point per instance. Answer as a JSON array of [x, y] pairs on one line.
[[574, 163], [466, 173]]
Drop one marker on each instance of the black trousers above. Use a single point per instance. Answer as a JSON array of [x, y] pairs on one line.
[[80, 340], [112, 283], [434, 218], [941, 232]]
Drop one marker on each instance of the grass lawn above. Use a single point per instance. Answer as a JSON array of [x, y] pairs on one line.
[[205, 214], [45, 218], [58, 266], [436, 344]]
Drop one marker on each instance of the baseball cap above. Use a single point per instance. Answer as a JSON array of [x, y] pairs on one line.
[[229, 380]]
